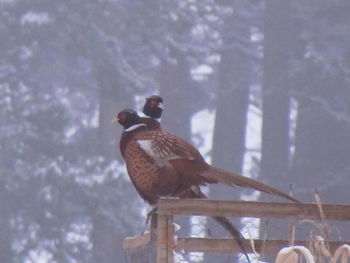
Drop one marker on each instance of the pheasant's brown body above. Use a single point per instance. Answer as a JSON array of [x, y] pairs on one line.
[[162, 164], [152, 175], [151, 181]]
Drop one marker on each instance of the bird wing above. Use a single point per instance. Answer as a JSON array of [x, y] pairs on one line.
[[165, 146]]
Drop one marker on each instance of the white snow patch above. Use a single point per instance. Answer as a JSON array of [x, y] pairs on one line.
[[202, 125], [256, 35], [202, 70], [69, 132], [293, 117], [93, 121], [26, 52], [38, 18], [40, 255]]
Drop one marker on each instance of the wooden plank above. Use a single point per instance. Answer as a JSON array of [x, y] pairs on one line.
[[136, 242], [228, 245], [170, 239], [222, 245], [161, 239], [172, 206], [165, 237]]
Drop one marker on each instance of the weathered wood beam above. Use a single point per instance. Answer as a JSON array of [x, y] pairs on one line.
[[172, 206], [223, 245], [228, 245], [165, 239], [130, 243]]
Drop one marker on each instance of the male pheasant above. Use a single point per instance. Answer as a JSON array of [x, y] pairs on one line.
[[161, 164]]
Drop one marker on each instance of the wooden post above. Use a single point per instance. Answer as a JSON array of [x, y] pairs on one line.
[[165, 239]]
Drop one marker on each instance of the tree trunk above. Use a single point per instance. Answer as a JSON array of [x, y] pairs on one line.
[[107, 245], [230, 125], [6, 253], [276, 101], [231, 116], [113, 98], [175, 82], [231, 103], [276, 104]]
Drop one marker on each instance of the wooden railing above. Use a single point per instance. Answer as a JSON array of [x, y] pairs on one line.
[[161, 241]]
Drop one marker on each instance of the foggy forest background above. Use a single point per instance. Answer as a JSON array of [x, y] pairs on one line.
[[67, 66]]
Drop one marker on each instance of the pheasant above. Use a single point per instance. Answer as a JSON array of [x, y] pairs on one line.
[[161, 164], [152, 110]]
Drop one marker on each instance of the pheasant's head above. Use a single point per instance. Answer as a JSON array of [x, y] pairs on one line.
[[153, 107]]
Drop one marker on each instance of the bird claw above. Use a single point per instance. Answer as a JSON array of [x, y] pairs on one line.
[[151, 213]]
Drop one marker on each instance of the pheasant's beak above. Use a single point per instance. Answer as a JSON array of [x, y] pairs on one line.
[[160, 105], [115, 120]]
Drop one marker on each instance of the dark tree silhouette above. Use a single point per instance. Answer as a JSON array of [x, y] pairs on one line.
[[175, 82], [276, 101]]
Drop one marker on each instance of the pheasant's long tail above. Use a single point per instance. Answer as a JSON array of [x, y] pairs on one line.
[[232, 179], [225, 223]]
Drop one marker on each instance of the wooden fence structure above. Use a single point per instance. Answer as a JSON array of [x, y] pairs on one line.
[[159, 244]]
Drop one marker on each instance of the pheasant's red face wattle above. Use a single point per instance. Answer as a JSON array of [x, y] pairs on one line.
[[122, 116]]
